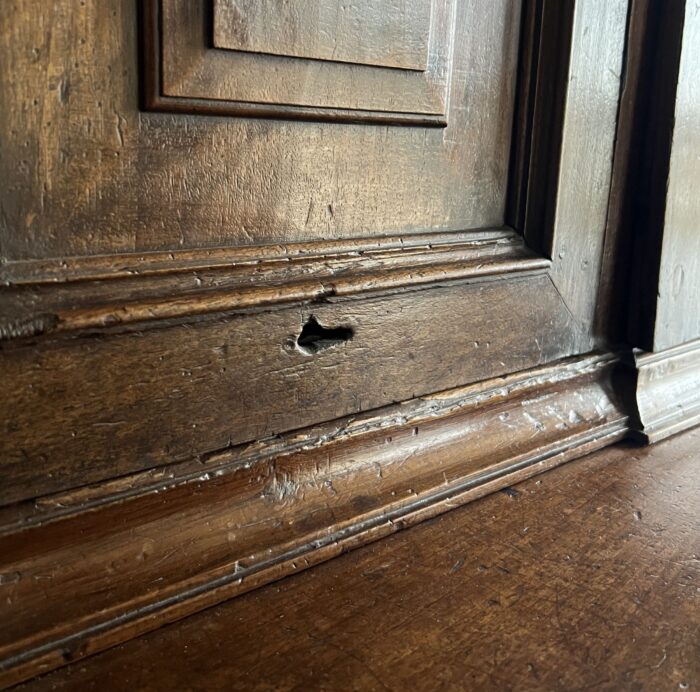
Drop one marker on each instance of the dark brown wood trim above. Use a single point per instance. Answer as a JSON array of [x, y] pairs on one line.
[[89, 293], [640, 179], [155, 549], [125, 265], [667, 391], [178, 389], [545, 52]]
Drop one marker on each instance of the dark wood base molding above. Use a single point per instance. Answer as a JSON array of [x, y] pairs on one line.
[[43, 297], [668, 391], [85, 570]]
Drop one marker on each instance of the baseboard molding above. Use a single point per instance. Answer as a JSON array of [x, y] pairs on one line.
[[95, 293], [86, 570], [667, 391]]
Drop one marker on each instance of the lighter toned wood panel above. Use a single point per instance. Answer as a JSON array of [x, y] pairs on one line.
[[388, 33], [667, 391], [89, 174], [678, 300]]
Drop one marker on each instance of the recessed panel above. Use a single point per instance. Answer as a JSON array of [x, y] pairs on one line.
[[366, 60], [385, 33]]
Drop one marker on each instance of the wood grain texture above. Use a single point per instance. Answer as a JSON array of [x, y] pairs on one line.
[[186, 67], [613, 314], [95, 292], [646, 137], [585, 167], [253, 514], [582, 578], [210, 383], [678, 299], [667, 391], [388, 33], [570, 68], [90, 174]]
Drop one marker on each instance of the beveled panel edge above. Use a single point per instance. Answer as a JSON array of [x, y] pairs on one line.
[[428, 463], [94, 292], [154, 98], [667, 391]]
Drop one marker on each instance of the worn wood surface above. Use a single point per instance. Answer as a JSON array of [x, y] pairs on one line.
[[388, 33], [186, 294], [678, 300], [612, 314], [188, 74], [570, 63], [111, 289], [642, 177], [580, 197], [667, 391], [583, 578], [90, 174], [156, 547], [102, 403]]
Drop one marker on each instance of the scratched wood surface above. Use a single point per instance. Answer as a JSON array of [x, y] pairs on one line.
[[389, 33], [583, 578], [91, 174], [158, 546], [95, 405]]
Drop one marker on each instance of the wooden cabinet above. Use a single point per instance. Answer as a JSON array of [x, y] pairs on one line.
[[279, 278]]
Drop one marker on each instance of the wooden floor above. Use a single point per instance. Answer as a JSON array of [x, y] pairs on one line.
[[586, 577]]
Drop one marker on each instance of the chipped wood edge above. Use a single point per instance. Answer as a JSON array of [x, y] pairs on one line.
[[667, 391], [243, 279], [415, 460]]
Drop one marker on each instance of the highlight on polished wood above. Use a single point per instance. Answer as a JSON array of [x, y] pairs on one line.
[[278, 279], [581, 578]]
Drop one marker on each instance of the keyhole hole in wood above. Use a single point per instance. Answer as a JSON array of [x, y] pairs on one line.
[[315, 337]]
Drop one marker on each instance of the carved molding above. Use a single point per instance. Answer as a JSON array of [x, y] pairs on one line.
[[97, 292], [667, 391], [251, 514]]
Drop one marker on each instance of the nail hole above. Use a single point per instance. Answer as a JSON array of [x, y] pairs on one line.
[[315, 337]]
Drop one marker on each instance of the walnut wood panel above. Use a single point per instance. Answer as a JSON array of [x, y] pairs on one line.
[[582, 578], [388, 33], [92, 175], [82, 408], [185, 73], [657, 251], [151, 553]]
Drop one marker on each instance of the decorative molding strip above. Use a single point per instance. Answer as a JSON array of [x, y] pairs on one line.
[[87, 293], [155, 548], [92, 267], [667, 391]]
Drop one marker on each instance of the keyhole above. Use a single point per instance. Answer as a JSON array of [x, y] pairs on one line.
[[314, 337]]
